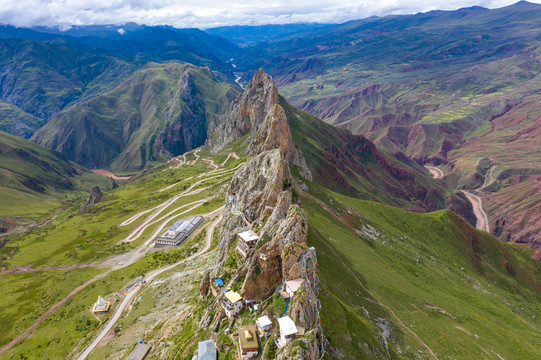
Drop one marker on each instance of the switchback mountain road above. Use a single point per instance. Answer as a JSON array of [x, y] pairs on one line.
[[148, 278], [121, 261]]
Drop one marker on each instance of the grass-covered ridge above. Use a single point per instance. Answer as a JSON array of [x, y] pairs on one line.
[[407, 277], [160, 110], [35, 180], [352, 165]]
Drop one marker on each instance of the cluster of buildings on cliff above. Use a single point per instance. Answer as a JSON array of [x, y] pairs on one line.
[[233, 303]]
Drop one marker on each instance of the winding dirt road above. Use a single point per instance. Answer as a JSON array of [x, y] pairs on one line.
[[480, 214], [210, 162], [110, 174], [488, 177], [121, 261], [437, 173], [148, 278], [477, 203], [230, 155]]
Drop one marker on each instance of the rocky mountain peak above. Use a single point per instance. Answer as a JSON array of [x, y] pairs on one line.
[[246, 113], [260, 197], [258, 111]]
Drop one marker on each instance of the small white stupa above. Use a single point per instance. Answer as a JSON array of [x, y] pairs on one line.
[[101, 305]]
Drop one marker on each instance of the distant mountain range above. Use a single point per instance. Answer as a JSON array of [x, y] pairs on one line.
[[457, 89], [326, 163], [104, 95]]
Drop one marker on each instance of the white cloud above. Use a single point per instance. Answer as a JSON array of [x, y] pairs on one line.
[[121, 31], [208, 13]]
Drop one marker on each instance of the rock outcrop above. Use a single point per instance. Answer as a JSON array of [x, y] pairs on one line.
[[260, 191], [93, 196], [246, 113], [261, 197]]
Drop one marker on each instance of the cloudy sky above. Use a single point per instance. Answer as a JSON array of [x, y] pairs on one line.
[[209, 13]]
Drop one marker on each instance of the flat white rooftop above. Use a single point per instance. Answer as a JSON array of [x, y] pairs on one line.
[[264, 321], [248, 236], [294, 285], [287, 326]]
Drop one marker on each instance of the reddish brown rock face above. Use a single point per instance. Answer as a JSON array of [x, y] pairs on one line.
[[261, 189], [246, 113]]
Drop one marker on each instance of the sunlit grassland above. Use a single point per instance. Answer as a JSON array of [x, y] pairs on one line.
[[461, 291], [86, 238], [74, 238]]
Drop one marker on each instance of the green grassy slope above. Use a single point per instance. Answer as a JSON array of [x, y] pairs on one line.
[[34, 180], [41, 78], [57, 250], [429, 276], [162, 109], [416, 83], [451, 88], [17, 122], [352, 165], [43, 73]]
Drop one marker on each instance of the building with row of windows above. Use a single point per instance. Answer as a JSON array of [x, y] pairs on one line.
[[246, 241], [179, 232]]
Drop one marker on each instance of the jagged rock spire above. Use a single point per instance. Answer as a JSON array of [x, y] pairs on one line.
[[258, 111], [246, 113]]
